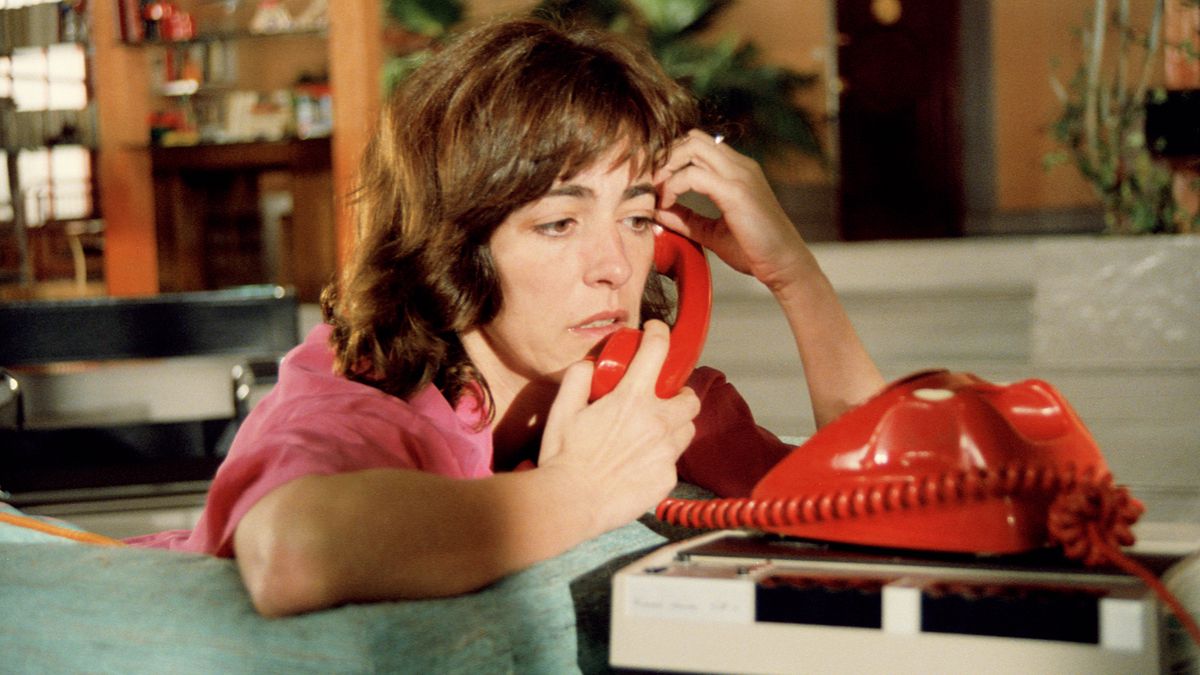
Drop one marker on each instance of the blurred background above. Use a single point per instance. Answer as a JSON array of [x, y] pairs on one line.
[[163, 146], [1002, 186]]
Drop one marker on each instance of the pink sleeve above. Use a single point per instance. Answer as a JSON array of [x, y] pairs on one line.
[[327, 436], [315, 422], [277, 458], [730, 452]]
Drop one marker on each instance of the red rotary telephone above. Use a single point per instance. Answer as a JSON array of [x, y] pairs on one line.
[[947, 461], [682, 260], [937, 461]]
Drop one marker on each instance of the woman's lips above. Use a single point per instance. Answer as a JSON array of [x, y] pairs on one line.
[[600, 325]]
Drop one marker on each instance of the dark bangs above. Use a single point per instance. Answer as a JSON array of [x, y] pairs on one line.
[[549, 111], [606, 105]]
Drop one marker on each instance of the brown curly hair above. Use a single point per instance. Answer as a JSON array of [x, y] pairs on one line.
[[485, 126]]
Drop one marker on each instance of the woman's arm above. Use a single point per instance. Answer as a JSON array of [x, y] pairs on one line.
[[839, 371], [380, 534], [754, 236]]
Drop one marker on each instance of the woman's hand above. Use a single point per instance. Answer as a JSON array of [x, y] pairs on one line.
[[620, 450], [753, 234]]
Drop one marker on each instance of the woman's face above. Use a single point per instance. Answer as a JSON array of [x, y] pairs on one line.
[[572, 266]]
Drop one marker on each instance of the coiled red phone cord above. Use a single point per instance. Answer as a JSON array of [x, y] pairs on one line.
[[1088, 522], [1089, 516]]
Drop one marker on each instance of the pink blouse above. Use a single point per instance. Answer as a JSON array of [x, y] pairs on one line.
[[315, 422]]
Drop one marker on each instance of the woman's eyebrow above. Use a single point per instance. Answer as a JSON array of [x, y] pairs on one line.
[[635, 191], [571, 190], [584, 192]]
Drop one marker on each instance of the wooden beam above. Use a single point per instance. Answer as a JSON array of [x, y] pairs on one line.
[[355, 65]]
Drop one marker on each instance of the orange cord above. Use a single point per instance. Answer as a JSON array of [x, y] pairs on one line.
[[67, 533]]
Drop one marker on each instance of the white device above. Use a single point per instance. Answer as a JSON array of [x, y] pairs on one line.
[[732, 601]]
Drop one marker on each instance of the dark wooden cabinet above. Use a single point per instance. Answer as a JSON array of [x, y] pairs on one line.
[[219, 221], [899, 126]]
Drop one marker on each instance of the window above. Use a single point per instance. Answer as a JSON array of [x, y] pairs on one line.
[[47, 78], [45, 113]]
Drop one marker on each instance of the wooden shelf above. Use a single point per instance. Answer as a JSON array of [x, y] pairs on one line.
[[211, 230], [229, 36], [309, 153]]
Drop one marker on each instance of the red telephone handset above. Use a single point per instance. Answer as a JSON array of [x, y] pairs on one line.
[[682, 260]]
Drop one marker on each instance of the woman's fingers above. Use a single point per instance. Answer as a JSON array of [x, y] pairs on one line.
[[698, 145], [647, 362], [573, 392], [698, 149], [696, 178]]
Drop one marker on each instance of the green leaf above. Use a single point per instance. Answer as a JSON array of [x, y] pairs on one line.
[[754, 101], [431, 18], [397, 69], [670, 18]]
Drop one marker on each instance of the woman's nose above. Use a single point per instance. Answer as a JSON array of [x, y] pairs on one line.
[[607, 260]]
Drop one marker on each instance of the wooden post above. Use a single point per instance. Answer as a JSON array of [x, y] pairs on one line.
[[123, 159], [355, 65]]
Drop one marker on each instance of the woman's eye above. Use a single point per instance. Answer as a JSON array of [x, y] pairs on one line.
[[557, 228], [640, 223]]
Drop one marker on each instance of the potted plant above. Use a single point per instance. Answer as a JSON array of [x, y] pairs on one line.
[[752, 101], [1112, 301], [1102, 125]]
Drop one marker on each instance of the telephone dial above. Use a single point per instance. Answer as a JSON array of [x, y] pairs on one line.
[[683, 260]]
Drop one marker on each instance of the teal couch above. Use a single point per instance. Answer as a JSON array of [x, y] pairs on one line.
[[71, 607]]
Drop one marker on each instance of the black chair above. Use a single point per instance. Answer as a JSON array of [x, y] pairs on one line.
[[53, 459]]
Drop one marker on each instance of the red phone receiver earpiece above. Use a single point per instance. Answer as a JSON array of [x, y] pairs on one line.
[[682, 260]]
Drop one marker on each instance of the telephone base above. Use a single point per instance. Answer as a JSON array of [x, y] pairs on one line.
[[741, 602]]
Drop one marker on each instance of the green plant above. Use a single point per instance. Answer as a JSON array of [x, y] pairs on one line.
[[754, 102], [431, 18], [1101, 127], [425, 22]]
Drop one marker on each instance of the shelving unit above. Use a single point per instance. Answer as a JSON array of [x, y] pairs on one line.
[[228, 176], [168, 222]]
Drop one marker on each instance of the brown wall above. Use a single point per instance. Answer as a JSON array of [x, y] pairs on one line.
[[1028, 36]]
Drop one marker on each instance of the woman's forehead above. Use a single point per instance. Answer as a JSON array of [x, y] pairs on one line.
[[619, 160]]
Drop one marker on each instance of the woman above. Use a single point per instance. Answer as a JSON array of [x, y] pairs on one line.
[[506, 216]]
